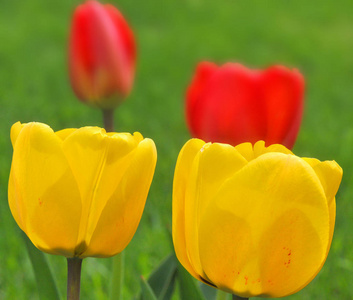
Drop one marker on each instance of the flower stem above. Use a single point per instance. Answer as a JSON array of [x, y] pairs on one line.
[[117, 277], [235, 297], [108, 119], [73, 278]]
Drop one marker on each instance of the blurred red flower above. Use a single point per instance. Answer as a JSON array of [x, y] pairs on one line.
[[233, 104], [102, 55]]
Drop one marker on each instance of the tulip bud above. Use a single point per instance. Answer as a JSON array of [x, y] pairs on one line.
[[101, 55], [233, 104], [253, 220], [79, 192]]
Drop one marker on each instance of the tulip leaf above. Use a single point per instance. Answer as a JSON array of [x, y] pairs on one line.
[[162, 280], [188, 287], [208, 292], [147, 292], [46, 285]]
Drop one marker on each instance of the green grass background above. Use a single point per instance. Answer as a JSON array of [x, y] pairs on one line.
[[172, 36]]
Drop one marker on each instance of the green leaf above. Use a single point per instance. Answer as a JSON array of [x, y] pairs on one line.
[[209, 292], [147, 293], [46, 285], [162, 280], [188, 286]]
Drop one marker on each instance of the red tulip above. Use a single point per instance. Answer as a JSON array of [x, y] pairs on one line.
[[102, 55], [233, 104]]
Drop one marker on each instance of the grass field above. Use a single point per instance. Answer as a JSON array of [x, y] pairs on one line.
[[172, 36]]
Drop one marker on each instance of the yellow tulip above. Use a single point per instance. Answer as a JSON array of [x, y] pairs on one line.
[[253, 220], [79, 192]]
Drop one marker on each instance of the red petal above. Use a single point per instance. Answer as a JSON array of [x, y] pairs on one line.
[[126, 42], [194, 102], [232, 111], [81, 57], [282, 91], [102, 52]]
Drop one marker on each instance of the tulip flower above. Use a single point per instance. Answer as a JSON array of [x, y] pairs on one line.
[[233, 104], [253, 220], [102, 55], [79, 192]]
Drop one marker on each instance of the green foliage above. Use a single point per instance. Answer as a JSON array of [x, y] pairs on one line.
[[188, 287], [210, 293], [172, 36], [147, 292], [162, 279], [46, 284]]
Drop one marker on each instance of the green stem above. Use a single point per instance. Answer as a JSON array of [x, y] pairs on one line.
[[235, 297], [108, 119], [73, 278], [117, 277]]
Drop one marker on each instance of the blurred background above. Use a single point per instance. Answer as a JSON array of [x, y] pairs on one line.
[[172, 36]]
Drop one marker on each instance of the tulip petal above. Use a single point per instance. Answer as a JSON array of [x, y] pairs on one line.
[[63, 134], [249, 152], [282, 91], [15, 202], [330, 175], [213, 165], [279, 205], [193, 103], [98, 162], [15, 131], [181, 179], [48, 213], [101, 55], [332, 213], [231, 110], [126, 44], [260, 148], [123, 210]]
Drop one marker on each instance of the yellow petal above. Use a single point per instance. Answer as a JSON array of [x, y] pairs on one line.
[[63, 134], [138, 137], [274, 228], [122, 213], [330, 176], [246, 150], [332, 213], [98, 162], [15, 202], [42, 191], [277, 148], [15, 130], [181, 179], [260, 148], [250, 152], [213, 165]]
